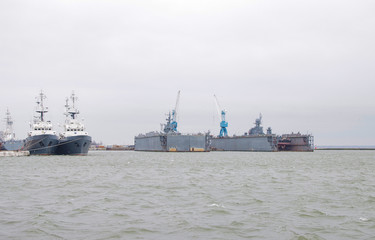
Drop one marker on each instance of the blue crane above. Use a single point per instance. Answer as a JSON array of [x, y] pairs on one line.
[[174, 114], [223, 123], [171, 125]]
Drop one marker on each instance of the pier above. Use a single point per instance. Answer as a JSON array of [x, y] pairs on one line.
[[14, 153]]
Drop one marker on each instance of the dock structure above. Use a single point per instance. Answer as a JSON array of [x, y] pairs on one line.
[[14, 153], [296, 142], [255, 140], [169, 139], [172, 142], [256, 143]]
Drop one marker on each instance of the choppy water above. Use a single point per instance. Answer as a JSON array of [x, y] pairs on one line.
[[216, 195]]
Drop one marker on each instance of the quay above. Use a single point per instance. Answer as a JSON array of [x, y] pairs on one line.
[[14, 153]]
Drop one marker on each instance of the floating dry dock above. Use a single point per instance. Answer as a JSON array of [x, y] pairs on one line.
[[170, 140], [162, 142], [255, 140], [295, 142], [261, 143]]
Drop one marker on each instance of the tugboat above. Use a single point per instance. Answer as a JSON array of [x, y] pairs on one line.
[[9, 139], [42, 139], [74, 140]]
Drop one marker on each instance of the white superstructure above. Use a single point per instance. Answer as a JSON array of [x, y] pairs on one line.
[[72, 126], [8, 134], [40, 126]]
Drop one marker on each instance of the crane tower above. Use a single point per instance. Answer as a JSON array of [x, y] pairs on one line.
[[223, 123]]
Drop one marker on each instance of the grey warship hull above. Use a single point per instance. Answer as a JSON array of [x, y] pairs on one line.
[[172, 143], [261, 143], [74, 145], [12, 145], [45, 144]]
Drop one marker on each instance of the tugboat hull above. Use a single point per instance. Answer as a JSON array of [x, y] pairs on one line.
[[41, 144], [74, 145]]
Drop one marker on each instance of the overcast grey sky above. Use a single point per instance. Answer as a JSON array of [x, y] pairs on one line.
[[307, 66]]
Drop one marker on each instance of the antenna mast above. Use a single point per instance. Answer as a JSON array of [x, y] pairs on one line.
[[40, 108]]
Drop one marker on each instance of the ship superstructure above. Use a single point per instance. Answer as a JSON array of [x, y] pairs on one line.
[[9, 141], [41, 139], [74, 140], [170, 140]]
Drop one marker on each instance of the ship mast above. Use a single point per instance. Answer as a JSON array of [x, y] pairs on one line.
[[258, 121], [9, 122], [72, 111], [40, 108], [9, 135]]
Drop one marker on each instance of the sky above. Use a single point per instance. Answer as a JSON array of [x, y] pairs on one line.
[[306, 66]]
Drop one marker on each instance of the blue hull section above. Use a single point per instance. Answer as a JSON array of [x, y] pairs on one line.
[[41, 144], [12, 145], [75, 145]]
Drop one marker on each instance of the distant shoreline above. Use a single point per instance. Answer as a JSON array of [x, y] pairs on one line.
[[344, 148]]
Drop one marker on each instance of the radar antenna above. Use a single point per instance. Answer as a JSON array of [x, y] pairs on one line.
[[41, 109]]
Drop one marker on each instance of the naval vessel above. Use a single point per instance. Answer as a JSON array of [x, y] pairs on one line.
[[41, 139], [170, 140], [74, 140], [8, 138]]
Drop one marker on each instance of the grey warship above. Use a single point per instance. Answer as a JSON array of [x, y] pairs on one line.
[[41, 139], [74, 140], [8, 137], [170, 140]]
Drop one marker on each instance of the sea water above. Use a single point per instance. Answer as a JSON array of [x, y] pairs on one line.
[[214, 195]]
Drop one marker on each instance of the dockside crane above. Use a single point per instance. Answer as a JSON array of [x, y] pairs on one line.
[[174, 113], [223, 123], [171, 125]]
